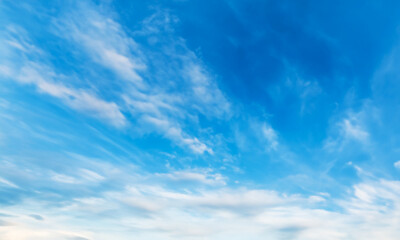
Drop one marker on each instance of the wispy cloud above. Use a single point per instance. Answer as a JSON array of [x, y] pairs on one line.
[[153, 93], [348, 130], [31, 70], [202, 176], [271, 136], [139, 72], [7, 183], [82, 100], [352, 130], [397, 164], [174, 132], [103, 39]]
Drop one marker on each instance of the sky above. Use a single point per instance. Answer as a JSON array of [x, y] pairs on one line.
[[194, 119]]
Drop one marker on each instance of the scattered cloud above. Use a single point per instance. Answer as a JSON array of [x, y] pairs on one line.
[[64, 178], [354, 131], [90, 175], [31, 71], [153, 93], [271, 136], [7, 183], [203, 176], [162, 107], [82, 100], [37, 217], [347, 130], [397, 164], [103, 39]]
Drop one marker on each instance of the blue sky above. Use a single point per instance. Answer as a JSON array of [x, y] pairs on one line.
[[199, 120]]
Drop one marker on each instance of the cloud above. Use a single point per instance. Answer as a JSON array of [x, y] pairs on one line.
[[157, 206], [271, 136], [103, 39], [21, 232], [7, 183], [150, 101], [44, 79], [83, 176], [354, 131], [258, 135], [174, 132], [203, 176], [26, 65], [37, 217], [206, 92], [194, 144], [397, 164], [256, 213], [350, 129], [370, 211], [164, 87], [64, 178], [91, 176], [174, 64]]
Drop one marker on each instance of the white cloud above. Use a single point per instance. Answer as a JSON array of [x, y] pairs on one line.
[[23, 232], [271, 136], [166, 86], [16, 38], [7, 183], [193, 143], [174, 132], [397, 164], [206, 92], [25, 64], [84, 176], [203, 176], [90, 175], [355, 131], [64, 178], [103, 39], [82, 100], [351, 128], [223, 213], [253, 133], [153, 206]]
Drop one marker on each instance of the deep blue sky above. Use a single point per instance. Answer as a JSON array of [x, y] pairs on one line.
[[199, 119]]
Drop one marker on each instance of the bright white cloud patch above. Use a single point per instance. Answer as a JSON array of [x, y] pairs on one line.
[[196, 204], [152, 211]]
